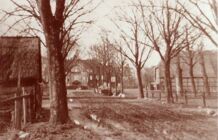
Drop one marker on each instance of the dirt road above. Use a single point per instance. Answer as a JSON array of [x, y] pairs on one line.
[[97, 118], [143, 119]]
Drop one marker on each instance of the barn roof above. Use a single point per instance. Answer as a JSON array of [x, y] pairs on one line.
[[19, 53]]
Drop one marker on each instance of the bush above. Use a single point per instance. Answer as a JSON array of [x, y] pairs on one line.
[[76, 83], [83, 87], [107, 92], [72, 87]]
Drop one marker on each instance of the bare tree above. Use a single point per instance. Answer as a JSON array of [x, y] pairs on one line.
[[104, 53], [179, 75], [121, 61], [136, 52], [28, 22], [200, 19], [148, 77], [190, 57], [52, 25], [203, 69], [213, 63], [57, 27], [165, 30], [71, 62]]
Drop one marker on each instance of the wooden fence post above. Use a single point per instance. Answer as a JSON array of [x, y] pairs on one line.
[[159, 95], [204, 99], [24, 107], [18, 102], [176, 96], [152, 94], [186, 97], [146, 91], [32, 106], [18, 109]]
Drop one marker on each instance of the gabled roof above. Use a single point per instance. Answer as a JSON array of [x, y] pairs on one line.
[[88, 64]]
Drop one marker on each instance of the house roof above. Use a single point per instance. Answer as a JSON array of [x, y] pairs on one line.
[[88, 64]]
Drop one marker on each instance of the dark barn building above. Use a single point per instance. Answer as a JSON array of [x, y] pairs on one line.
[[20, 58]]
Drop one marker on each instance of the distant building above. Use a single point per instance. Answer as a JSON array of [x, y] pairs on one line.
[[80, 72], [87, 72], [210, 58], [91, 73]]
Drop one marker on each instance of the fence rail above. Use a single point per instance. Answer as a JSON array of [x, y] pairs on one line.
[[22, 107]]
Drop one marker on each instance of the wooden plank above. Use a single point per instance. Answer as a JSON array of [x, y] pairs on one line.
[[18, 110], [18, 103], [15, 98], [24, 107]]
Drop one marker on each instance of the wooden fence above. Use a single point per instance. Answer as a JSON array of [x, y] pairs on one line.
[[187, 96], [20, 108]]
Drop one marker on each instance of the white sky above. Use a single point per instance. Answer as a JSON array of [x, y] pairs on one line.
[[91, 36]]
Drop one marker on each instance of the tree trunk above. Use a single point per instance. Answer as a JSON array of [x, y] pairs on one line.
[[204, 99], [140, 85], [167, 82], [115, 84], [122, 88], [57, 85], [180, 78], [52, 27], [205, 78], [191, 73], [109, 78], [186, 97], [146, 88]]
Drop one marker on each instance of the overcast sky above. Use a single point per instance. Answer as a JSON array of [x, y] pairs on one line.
[[103, 14]]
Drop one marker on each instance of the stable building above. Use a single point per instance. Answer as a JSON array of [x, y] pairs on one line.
[[20, 67]]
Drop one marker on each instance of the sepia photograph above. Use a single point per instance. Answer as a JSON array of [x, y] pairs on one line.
[[108, 70]]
